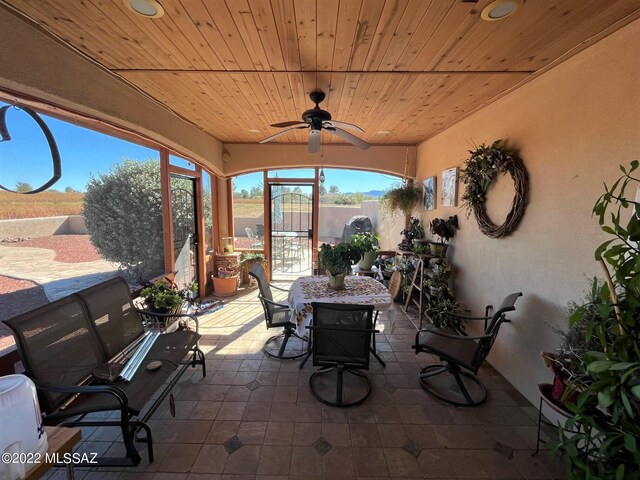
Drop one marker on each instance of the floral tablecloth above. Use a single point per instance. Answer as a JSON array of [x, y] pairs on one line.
[[358, 290]]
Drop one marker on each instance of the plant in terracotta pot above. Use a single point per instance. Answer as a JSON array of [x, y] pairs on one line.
[[337, 261], [445, 230], [246, 262], [366, 243]]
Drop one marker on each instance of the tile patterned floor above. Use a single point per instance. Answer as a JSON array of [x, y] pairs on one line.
[[254, 418]]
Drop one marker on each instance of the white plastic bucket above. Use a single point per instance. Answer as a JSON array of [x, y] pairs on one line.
[[22, 434]]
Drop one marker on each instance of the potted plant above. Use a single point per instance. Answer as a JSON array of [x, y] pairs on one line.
[[608, 393], [246, 262], [445, 230], [365, 242], [421, 250], [404, 198], [225, 283], [337, 262], [161, 297], [413, 231], [444, 313]]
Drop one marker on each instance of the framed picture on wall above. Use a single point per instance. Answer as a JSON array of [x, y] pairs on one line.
[[429, 193], [449, 187]]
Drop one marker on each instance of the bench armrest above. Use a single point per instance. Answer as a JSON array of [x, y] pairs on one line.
[[117, 392]]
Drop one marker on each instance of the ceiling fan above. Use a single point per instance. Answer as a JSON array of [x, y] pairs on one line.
[[317, 120]]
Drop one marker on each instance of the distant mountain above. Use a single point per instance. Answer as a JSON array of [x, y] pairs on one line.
[[371, 193]]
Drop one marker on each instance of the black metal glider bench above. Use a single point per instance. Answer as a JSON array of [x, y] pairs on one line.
[[67, 346]]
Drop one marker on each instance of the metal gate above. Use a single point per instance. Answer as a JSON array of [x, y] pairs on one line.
[[291, 217], [183, 209]]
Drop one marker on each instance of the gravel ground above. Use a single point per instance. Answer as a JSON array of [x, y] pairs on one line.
[[68, 248], [16, 297]]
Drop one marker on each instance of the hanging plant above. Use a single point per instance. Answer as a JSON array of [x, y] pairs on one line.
[[481, 170], [405, 198]]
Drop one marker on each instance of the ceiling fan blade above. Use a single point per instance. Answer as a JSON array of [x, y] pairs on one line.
[[268, 139], [350, 126], [314, 141], [348, 137], [290, 123]]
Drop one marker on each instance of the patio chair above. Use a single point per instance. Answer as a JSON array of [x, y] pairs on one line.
[[254, 242], [460, 351], [340, 345], [277, 315]]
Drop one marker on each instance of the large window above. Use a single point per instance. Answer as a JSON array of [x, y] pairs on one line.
[[248, 210], [102, 218]]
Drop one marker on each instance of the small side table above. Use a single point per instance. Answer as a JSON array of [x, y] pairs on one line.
[[61, 440]]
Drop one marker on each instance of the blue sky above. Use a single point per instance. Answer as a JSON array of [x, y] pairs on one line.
[[345, 180], [26, 158]]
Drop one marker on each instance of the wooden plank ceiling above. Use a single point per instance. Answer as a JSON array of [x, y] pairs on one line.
[[409, 67]]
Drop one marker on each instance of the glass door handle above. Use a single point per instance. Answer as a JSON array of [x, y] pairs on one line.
[[311, 233]]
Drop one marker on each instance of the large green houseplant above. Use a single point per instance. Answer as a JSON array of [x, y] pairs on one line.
[[337, 261], [607, 408], [366, 243]]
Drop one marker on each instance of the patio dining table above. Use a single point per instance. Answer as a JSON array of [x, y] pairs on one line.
[[358, 290]]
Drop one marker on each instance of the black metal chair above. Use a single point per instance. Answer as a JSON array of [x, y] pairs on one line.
[[340, 344], [460, 351], [277, 315]]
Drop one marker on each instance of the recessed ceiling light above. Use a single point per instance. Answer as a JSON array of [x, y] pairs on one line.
[[145, 8], [384, 132], [254, 130], [500, 9]]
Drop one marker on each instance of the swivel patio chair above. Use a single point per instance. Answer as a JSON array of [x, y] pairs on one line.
[[460, 351], [340, 345], [277, 315]]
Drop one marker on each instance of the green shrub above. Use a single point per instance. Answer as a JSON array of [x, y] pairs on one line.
[[123, 214]]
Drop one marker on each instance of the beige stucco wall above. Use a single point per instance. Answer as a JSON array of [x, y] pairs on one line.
[[36, 65], [573, 125], [250, 157], [42, 227]]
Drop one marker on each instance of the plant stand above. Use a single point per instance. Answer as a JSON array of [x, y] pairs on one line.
[[417, 292]]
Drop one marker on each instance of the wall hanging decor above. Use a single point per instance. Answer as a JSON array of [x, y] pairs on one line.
[[53, 148], [429, 199], [481, 170], [449, 187]]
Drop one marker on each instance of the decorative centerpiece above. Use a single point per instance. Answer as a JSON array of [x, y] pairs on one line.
[[445, 230], [337, 261], [366, 243], [481, 170]]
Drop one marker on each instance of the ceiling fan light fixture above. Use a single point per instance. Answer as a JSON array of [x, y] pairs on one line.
[[145, 8], [500, 9]]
